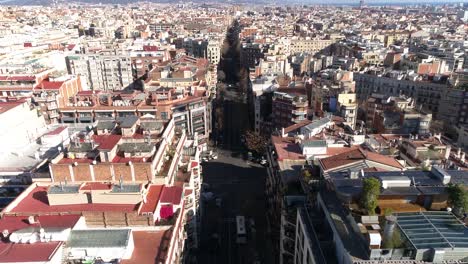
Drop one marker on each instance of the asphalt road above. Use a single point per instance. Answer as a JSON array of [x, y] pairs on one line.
[[241, 187]]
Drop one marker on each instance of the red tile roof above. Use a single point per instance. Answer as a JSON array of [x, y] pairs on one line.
[[106, 142], [386, 160], [14, 223], [5, 106], [36, 202], [37, 252], [171, 195], [193, 164], [354, 155], [90, 186], [47, 85], [147, 247], [150, 48], [286, 148], [118, 159], [56, 131], [297, 126], [85, 93], [152, 199]]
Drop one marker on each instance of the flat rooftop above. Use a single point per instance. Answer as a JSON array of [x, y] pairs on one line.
[[147, 247], [22, 158], [36, 202], [101, 238], [433, 230]]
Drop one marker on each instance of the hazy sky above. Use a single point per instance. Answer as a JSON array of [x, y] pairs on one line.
[[387, 1]]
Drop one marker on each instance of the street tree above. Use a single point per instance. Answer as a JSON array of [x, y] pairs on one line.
[[370, 194], [255, 142]]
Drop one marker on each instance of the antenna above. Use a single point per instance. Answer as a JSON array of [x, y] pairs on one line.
[[120, 182]]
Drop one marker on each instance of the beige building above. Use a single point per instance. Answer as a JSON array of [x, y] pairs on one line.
[[347, 106], [309, 45]]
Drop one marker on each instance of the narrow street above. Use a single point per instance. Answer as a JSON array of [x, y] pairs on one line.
[[240, 185]]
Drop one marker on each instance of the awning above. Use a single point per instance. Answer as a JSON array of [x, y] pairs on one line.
[[166, 211]]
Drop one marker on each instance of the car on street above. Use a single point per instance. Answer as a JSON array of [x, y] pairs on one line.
[[218, 202]]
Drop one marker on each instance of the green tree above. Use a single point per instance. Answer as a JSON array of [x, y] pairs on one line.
[[370, 194], [255, 142], [307, 175], [458, 198]]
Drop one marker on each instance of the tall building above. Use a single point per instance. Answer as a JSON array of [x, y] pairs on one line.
[[361, 3], [290, 106], [214, 51], [102, 72]]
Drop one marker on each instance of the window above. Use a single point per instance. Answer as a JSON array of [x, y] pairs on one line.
[[164, 115]]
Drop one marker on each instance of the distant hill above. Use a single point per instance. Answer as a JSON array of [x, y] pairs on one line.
[[305, 2]]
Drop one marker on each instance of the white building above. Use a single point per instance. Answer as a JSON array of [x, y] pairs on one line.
[[214, 51], [20, 125], [102, 72]]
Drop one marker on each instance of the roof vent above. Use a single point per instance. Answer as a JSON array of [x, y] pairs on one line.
[[31, 220], [5, 233]]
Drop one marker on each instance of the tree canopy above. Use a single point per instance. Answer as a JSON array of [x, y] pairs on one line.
[[458, 198], [370, 194], [255, 142]]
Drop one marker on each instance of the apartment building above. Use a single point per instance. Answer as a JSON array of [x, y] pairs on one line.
[[214, 51], [144, 60], [311, 46], [52, 93], [347, 107], [102, 72], [425, 93], [251, 53], [290, 106], [121, 222]]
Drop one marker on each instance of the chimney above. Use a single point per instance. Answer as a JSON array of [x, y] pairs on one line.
[[5, 233], [31, 220], [447, 152], [390, 223]]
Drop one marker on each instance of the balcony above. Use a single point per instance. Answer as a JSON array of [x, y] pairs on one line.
[[41, 99], [300, 103], [53, 114], [188, 205], [297, 120], [299, 112], [68, 119], [52, 106]]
